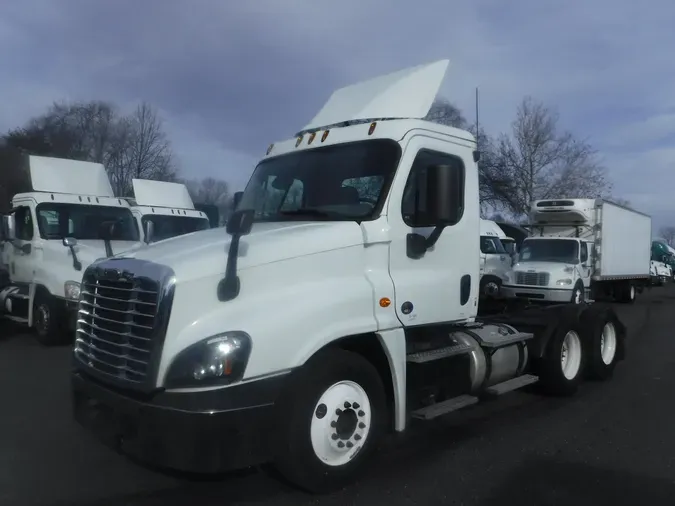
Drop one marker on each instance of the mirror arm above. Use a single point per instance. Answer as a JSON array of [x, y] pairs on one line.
[[434, 236], [77, 265], [229, 286]]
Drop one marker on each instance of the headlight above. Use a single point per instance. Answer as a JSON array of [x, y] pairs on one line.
[[218, 360], [563, 282], [71, 289]]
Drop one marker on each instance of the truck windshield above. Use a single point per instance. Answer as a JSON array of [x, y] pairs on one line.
[[491, 245], [550, 250], [509, 245], [83, 222], [337, 183], [166, 227]]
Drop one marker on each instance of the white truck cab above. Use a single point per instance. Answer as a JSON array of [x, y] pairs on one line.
[[164, 209], [52, 234], [339, 304], [495, 261], [581, 249]]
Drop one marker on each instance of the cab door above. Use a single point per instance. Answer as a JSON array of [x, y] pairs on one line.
[[22, 252], [440, 285]]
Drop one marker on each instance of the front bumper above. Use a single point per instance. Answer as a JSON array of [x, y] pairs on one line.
[[202, 432], [537, 293]]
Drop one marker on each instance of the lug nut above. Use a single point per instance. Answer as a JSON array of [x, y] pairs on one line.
[[357, 437], [341, 444], [333, 424], [347, 405], [334, 437], [356, 405], [338, 411], [349, 444], [362, 425], [362, 413]]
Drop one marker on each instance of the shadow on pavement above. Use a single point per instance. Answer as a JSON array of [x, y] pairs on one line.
[[544, 482]]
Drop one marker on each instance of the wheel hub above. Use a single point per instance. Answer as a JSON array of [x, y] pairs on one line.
[[340, 423]]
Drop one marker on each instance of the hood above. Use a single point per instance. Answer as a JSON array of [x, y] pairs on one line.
[[90, 250], [541, 266], [206, 250]]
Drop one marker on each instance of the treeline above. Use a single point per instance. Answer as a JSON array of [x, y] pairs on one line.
[[130, 145], [536, 159]]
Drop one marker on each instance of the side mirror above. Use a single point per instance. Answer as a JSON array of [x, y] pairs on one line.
[[149, 231], [236, 199], [8, 227], [444, 194], [240, 222], [69, 242]]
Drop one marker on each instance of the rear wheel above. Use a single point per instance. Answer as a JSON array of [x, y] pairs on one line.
[[561, 368], [602, 341], [332, 418]]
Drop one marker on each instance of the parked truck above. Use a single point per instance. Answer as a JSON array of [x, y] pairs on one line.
[[68, 218], [663, 260], [581, 249], [164, 209], [495, 261], [314, 324]]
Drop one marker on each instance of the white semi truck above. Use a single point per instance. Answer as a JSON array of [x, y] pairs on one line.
[[581, 249], [69, 219], [308, 329], [164, 209]]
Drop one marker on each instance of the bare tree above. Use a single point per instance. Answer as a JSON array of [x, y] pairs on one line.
[[129, 146], [668, 235], [445, 113], [537, 161], [145, 150], [211, 191]]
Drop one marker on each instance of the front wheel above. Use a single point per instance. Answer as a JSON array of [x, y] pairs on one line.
[[332, 417], [48, 321], [578, 294]]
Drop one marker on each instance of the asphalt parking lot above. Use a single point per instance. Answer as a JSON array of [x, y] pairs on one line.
[[613, 443]]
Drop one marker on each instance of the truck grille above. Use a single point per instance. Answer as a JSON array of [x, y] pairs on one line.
[[532, 278], [120, 324]]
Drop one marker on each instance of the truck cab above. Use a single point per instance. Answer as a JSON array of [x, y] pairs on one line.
[[663, 261], [495, 261], [555, 262], [52, 234], [549, 267], [340, 303], [164, 210]]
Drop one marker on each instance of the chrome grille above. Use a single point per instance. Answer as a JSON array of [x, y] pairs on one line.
[[120, 320], [532, 278]]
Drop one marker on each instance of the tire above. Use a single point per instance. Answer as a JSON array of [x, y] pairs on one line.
[[626, 293], [602, 342], [48, 321], [578, 294], [562, 366], [332, 418], [490, 287]]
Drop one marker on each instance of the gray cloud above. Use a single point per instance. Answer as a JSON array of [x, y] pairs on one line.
[[231, 77]]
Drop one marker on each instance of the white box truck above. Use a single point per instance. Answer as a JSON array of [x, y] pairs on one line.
[[317, 322], [68, 218], [581, 249]]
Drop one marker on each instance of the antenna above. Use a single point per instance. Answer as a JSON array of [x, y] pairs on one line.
[[477, 129]]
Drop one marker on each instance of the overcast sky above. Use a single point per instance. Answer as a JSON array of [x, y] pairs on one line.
[[229, 77]]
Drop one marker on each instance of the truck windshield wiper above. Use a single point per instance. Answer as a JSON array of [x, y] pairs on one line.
[[309, 211]]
